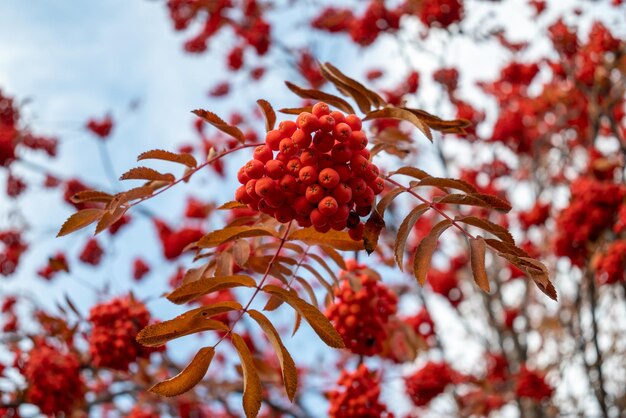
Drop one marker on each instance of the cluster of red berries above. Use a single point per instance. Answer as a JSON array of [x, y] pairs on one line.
[[54, 381], [115, 325], [441, 13], [101, 128], [175, 242], [321, 175], [611, 265], [428, 382], [56, 264], [358, 396], [15, 186], [13, 249], [422, 323], [140, 269], [532, 384], [361, 314], [92, 252]]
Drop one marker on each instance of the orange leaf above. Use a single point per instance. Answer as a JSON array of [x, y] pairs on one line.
[[296, 110], [318, 321], [219, 237], [193, 290], [268, 112], [403, 114], [410, 171], [159, 154], [145, 173], [190, 322], [444, 183], [477, 259], [425, 250], [80, 220], [220, 124], [232, 205], [189, 377], [91, 196], [252, 390], [364, 97], [335, 256], [339, 240], [109, 218], [495, 229], [403, 233], [288, 367], [374, 225]]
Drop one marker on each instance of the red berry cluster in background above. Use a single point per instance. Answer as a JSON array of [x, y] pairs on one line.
[[54, 381], [92, 252], [175, 242], [361, 314], [532, 384], [13, 249], [101, 128], [441, 13], [611, 265], [321, 175], [115, 325], [358, 396], [592, 209], [428, 382]]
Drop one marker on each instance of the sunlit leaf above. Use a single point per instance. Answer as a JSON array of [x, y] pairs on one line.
[[189, 377], [80, 220], [145, 173], [197, 288], [268, 112], [159, 154], [252, 390], [221, 236], [339, 240]]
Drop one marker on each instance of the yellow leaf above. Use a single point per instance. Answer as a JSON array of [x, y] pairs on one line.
[[404, 231], [477, 260], [189, 377], [425, 250], [339, 240], [220, 124], [145, 173], [320, 324], [268, 112], [252, 390], [159, 154], [193, 290], [221, 236], [190, 322], [80, 220], [288, 367]]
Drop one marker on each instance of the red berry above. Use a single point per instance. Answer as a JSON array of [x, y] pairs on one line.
[[287, 147], [284, 214], [250, 189], [293, 166], [343, 211], [275, 169], [302, 206], [356, 233], [314, 193], [328, 206], [353, 220], [308, 122], [273, 138], [308, 175], [318, 218], [354, 122], [344, 172], [287, 128], [241, 195], [282, 158], [308, 157], [359, 164], [357, 141], [322, 229], [341, 153], [328, 178], [342, 132], [266, 208], [338, 116], [301, 138], [371, 173], [265, 186], [254, 169], [288, 183], [263, 153], [366, 198], [357, 185], [363, 210], [276, 199], [327, 123], [303, 221], [342, 193], [242, 176], [323, 141], [320, 109], [325, 161], [378, 185]]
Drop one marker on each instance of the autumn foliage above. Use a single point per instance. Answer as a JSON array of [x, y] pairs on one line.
[[372, 250]]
